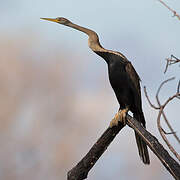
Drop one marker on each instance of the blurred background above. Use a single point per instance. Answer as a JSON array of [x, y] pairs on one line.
[[55, 97]]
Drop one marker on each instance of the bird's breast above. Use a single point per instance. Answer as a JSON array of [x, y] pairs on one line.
[[118, 76]]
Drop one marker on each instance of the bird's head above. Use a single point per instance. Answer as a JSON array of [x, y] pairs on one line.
[[59, 20]]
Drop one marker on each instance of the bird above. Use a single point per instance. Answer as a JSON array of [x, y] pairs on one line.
[[124, 81]]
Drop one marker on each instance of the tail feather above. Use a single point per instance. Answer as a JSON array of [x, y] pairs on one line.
[[142, 147]]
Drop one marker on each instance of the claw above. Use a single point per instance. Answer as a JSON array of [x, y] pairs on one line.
[[120, 116], [114, 121]]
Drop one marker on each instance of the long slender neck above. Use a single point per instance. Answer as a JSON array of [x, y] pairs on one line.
[[93, 41]]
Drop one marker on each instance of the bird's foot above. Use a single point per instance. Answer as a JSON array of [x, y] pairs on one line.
[[114, 121], [120, 116]]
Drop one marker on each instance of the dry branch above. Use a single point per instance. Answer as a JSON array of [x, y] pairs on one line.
[[167, 122], [80, 171], [161, 112], [171, 165], [172, 60], [174, 12]]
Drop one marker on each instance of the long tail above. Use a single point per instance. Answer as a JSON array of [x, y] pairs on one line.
[[142, 147]]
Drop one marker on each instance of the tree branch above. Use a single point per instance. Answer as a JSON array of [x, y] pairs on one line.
[[80, 171], [174, 12], [171, 165], [161, 112], [152, 105], [169, 61]]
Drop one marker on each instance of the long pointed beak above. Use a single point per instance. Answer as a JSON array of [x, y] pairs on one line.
[[50, 19]]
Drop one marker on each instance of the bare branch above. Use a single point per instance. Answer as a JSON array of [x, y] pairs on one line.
[[153, 106], [171, 129], [168, 132], [157, 94], [164, 137], [173, 11], [81, 170], [152, 142], [178, 89], [161, 112], [170, 61], [164, 105]]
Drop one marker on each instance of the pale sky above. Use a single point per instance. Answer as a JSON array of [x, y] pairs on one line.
[[144, 31]]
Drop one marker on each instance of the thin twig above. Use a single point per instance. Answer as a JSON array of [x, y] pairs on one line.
[[161, 112], [157, 94], [168, 132], [172, 60], [167, 122], [170, 127], [173, 11], [152, 105], [178, 89], [163, 135]]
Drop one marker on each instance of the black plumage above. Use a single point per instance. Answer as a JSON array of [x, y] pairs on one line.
[[126, 85]]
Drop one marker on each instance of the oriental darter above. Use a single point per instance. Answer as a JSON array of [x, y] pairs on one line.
[[123, 79]]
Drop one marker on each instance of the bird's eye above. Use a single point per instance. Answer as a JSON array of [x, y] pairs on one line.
[[62, 20], [59, 18]]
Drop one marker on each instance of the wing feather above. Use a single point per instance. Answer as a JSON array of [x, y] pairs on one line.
[[133, 76]]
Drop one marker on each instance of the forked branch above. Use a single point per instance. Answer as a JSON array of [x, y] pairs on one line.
[[170, 61], [161, 107], [81, 170]]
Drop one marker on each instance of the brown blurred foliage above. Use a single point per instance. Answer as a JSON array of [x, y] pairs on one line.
[[47, 123], [37, 112]]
